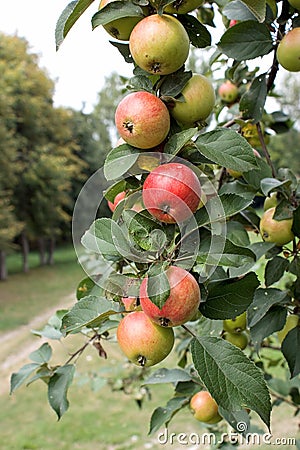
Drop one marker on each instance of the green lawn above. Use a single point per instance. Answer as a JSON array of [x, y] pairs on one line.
[[22, 296]]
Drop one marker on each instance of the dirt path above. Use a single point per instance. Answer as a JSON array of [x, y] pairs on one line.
[[16, 345]]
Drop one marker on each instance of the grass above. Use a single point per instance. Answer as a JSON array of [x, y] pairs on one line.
[[23, 296]]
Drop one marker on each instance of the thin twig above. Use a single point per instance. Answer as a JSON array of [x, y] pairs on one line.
[[264, 148], [81, 349]]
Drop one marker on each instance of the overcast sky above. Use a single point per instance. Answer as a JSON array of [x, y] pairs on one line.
[[84, 58]]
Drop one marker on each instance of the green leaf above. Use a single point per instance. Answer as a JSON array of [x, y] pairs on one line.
[[99, 239], [18, 378], [238, 188], [124, 50], [198, 33], [272, 321], [116, 10], [246, 40], [172, 85], [168, 376], [158, 286], [140, 83], [86, 287], [119, 160], [232, 379], [223, 252], [253, 100], [52, 329], [263, 300], [68, 17], [238, 11], [257, 8], [163, 415], [275, 269], [41, 355], [290, 349], [58, 387], [178, 140], [236, 233], [269, 185], [90, 311], [227, 148], [254, 177], [229, 298]]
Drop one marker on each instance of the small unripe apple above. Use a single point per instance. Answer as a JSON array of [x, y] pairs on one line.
[[232, 23], [228, 91], [199, 101], [172, 192], [120, 28], [240, 340], [205, 408], [182, 303], [288, 51], [292, 321], [271, 201], [295, 3], [142, 341], [142, 120], [237, 324], [159, 44], [183, 6], [118, 198], [277, 231]]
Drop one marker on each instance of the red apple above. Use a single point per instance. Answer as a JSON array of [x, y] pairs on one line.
[[172, 192], [159, 44], [143, 342], [228, 92], [142, 120], [288, 51], [199, 100], [277, 231], [182, 304], [233, 22], [118, 198], [205, 408]]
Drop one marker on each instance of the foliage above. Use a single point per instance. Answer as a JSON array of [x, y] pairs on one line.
[[219, 245]]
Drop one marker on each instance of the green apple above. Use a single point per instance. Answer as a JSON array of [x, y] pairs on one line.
[[271, 201], [237, 324], [120, 28], [199, 100], [159, 44], [205, 408], [288, 51], [277, 231], [291, 322], [240, 340]]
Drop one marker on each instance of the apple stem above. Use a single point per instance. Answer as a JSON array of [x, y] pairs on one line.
[[142, 360]]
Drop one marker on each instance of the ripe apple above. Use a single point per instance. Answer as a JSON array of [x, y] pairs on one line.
[[288, 51], [118, 198], [205, 408], [228, 91], [199, 100], [182, 304], [277, 231], [130, 303], [142, 341], [271, 201], [292, 321], [159, 44], [172, 192], [182, 6], [142, 119], [120, 28], [232, 23], [240, 340], [237, 324], [295, 3]]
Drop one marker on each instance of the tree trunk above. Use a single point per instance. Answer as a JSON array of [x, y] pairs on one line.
[[42, 251], [51, 249], [3, 269], [25, 251]]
